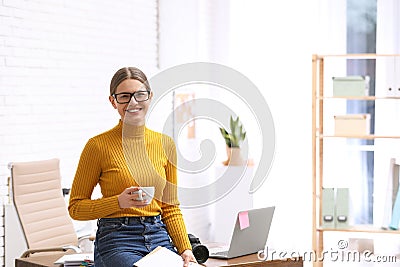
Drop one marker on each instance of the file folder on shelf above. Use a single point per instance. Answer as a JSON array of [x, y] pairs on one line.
[[328, 208], [394, 223], [342, 208], [391, 193]]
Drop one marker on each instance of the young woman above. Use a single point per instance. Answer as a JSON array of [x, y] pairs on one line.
[[121, 160]]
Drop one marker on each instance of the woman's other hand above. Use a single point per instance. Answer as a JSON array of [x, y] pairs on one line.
[[188, 257]]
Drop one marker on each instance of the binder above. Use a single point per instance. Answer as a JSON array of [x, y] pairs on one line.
[[391, 193], [394, 223], [342, 208], [328, 208], [396, 176]]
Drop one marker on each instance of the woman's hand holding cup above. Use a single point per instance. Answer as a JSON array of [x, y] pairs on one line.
[[136, 197]]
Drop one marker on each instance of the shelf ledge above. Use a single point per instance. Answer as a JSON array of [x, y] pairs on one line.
[[359, 97], [360, 229], [356, 56], [371, 136]]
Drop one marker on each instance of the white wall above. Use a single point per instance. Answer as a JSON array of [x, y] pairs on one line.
[[56, 62], [272, 45]]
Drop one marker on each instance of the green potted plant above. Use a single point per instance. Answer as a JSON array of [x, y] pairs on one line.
[[233, 140]]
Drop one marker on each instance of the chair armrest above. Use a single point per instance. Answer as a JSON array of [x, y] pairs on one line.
[[88, 237], [28, 252], [85, 243]]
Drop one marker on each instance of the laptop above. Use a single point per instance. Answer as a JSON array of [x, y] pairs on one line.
[[251, 238]]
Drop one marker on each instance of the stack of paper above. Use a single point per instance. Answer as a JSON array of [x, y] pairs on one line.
[[78, 263], [162, 257], [76, 260], [159, 257]]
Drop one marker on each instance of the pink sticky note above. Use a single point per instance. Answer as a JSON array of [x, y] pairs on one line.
[[244, 220]]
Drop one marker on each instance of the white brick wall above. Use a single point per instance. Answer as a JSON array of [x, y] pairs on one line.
[[56, 60]]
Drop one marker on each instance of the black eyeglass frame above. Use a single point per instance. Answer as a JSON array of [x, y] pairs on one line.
[[131, 94]]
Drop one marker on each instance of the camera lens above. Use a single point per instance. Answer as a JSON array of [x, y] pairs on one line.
[[200, 252]]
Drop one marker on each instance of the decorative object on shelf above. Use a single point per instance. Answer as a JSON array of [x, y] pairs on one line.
[[351, 86], [352, 124], [233, 140]]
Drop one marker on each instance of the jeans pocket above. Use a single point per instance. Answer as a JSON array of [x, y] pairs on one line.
[[105, 228]]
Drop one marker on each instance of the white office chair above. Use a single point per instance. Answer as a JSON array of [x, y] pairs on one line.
[[41, 208]]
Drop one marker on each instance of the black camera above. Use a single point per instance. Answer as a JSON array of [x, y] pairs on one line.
[[200, 251]]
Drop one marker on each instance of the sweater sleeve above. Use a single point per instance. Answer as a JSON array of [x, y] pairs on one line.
[[171, 213], [81, 206]]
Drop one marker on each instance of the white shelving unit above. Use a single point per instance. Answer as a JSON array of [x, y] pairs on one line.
[[322, 132]]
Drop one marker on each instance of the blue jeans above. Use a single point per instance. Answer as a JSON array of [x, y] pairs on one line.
[[123, 241]]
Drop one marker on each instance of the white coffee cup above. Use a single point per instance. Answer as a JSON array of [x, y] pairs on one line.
[[146, 193]]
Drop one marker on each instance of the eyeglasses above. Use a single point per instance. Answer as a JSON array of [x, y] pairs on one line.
[[139, 96]]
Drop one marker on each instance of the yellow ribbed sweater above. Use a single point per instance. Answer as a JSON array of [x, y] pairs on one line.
[[123, 157]]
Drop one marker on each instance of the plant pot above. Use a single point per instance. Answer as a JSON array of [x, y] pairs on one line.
[[234, 156]]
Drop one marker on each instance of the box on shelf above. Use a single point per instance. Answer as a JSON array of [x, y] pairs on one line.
[[361, 245], [352, 124], [350, 86]]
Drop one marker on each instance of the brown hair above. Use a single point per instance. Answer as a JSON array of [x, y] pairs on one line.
[[128, 73]]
